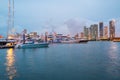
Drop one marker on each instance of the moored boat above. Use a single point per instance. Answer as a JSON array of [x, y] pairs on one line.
[[5, 43], [32, 45], [116, 39], [83, 41], [75, 41], [5, 47], [70, 41]]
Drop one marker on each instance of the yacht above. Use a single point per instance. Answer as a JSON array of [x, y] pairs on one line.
[[71, 41], [32, 45], [5, 43]]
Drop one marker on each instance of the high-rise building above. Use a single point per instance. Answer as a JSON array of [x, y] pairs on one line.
[[86, 32], [33, 34], [112, 29], [90, 32], [101, 29], [82, 35], [93, 32], [106, 32]]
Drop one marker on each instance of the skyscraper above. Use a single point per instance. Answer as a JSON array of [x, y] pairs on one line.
[[101, 30], [106, 32], [112, 29], [86, 32], [94, 32], [90, 32]]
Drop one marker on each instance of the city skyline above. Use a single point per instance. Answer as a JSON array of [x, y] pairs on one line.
[[60, 15]]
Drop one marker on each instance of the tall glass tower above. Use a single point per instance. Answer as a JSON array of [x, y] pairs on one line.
[[112, 29], [101, 29]]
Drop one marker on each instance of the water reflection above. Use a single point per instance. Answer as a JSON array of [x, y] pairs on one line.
[[113, 66], [113, 52], [10, 61]]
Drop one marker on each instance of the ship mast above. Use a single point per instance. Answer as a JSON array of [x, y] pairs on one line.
[[10, 29], [13, 16], [9, 18]]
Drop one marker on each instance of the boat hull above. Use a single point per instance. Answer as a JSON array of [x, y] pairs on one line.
[[6, 44], [6, 47], [5, 41], [39, 45], [83, 41], [74, 41]]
